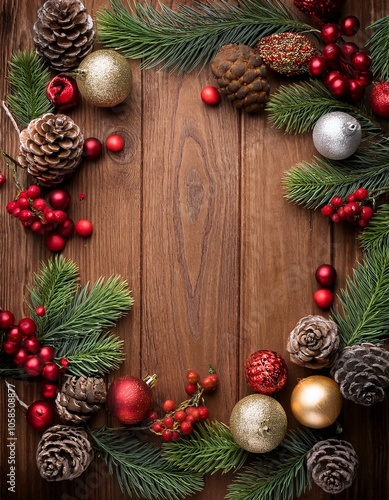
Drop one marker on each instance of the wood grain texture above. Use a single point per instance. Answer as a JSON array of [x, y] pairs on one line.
[[192, 214]]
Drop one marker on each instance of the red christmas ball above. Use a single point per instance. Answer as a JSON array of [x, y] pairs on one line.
[[51, 371], [59, 199], [323, 298], [323, 9], [92, 148], [33, 365], [114, 143], [379, 99], [49, 390], [130, 399], [7, 319], [55, 242], [210, 95], [40, 415], [84, 228], [266, 371], [325, 275]]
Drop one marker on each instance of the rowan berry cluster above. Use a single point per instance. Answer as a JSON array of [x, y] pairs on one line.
[[355, 210]]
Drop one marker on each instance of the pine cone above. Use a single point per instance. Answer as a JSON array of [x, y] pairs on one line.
[[51, 148], [313, 343], [362, 372], [80, 398], [63, 453], [333, 464], [241, 76], [63, 33]]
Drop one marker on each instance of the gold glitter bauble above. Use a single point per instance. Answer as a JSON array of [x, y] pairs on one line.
[[104, 78], [316, 401], [258, 423]]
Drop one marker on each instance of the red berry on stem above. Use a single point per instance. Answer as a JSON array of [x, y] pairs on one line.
[[40, 311], [7, 319], [2, 179], [365, 78], [210, 95], [10, 348], [13, 335], [114, 143], [47, 353], [59, 199], [339, 86], [39, 204], [23, 202], [191, 389], [317, 66], [208, 384], [330, 32], [361, 194], [323, 298], [186, 427], [336, 219], [166, 435], [331, 52], [83, 228], [27, 327], [350, 197], [327, 210], [325, 275], [51, 371], [20, 357], [356, 90], [180, 416], [92, 148], [33, 365], [64, 362], [361, 61], [33, 192], [203, 412], [366, 213], [168, 422], [349, 49], [350, 26], [192, 376], [32, 344], [11, 205], [336, 202], [66, 229], [168, 406], [55, 242], [49, 390]]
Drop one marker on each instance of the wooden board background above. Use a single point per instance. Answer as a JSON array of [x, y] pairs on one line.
[[192, 215]]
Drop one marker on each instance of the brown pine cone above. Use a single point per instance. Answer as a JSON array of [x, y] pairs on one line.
[[63, 33], [63, 453], [80, 398], [362, 372], [333, 464], [313, 343], [241, 76], [51, 148]]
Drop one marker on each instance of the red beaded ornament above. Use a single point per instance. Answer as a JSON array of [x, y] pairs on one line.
[[266, 371]]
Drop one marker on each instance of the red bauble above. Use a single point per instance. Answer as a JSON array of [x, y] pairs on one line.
[[51, 371], [20, 357], [317, 66], [379, 99], [27, 327], [114, 143], [350, 26], [32, 344], [40, 415], [66, 229], [55, 242], [10, 347], [59, 199], [92, 148], [325, 275], [210, 95], [63, 92], [266, 371], [33, 365], [7, 319], [47, 353], [40, 311], [323, 298], [323, 9], [130, 399], [84, 228], [49, 390]]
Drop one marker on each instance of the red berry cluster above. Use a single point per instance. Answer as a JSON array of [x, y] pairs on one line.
[[343, 65], [50, 219], [356, 210], [20, 342], [181, 419]]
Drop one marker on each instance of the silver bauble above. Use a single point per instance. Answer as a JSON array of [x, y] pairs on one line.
[[337, 135], [104, 78]]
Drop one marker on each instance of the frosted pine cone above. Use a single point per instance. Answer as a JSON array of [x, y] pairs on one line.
[[63, 453], [362, 372], [333, 464], [80, 398], [313, 343], [63, 33]]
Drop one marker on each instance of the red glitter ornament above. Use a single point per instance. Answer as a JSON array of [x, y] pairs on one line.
[[62, 91], [40, 415], [323, 9], [266, 371], [379, 99]]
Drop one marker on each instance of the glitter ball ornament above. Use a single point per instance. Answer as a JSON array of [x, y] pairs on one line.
[[323, 9], [379, 99], [337, 135], [286, 53], [266, 371], [258, 423], [316, 401], [104, 78]]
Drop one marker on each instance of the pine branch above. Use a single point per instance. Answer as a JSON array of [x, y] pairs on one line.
[[191, 35], [378, 44], [376, 235], [96, 354], [362, 310], [278, 475], [140, 468], [28, 80], [209, 449]]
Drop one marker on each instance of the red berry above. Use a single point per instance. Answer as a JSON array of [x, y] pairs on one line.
[[2, 179], [331, 52], [16, 212], [327, 210], [7, 319], [330, 32], [55, 242], [356, 90], [37, 227], [324, 298], [13, 335], [20, 357], [186, 427], [180, 416], [366, 213], [355, 207], [203, 412], [192, 376], [325, 275], [27, 327], [33, 365], [339, 86], [317, 66], [49, 390], [336, 202], [33, 192], [114, 143], [60, 216], [48, 214], [39, 204], [66, 229], [168, 406], [23, 202], [341, 213], [192, 412], [40, 311], [64, 362], [208, 383], [51, 371], [350, 26], [59, 199], [191, 389], [47, 353], [92, 148], [363, 222], [349, 49], [365, 78], [361, 194], [350, 197], [10, 347], [175, 436], [168, 422], [11, 205], [157, 427], [335, 219], [166, 435], [83, 228], [210, 95], [348, 212], [32, 345], [361, 61]]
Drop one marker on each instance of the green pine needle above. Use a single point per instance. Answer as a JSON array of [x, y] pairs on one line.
[[376, 233], [191, 35], [209, 449], [28, 78], [378, 44], [278, 475], [140, 467], [362, 310]]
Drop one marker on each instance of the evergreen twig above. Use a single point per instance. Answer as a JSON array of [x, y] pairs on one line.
[[191, 35], [376, 233], [378, 44], [209, 449], [140, 469]]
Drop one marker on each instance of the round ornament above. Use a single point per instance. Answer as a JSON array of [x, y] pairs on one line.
[[59, 199], [323, 298], [55, 242], [210, 95], [40, 415], [379, 99], [92, 148], [258, 423], [337, 135], [115, 143], [84, 228], [130, 399], [266, 371], [325, 275], [104, 78], [316, 401]]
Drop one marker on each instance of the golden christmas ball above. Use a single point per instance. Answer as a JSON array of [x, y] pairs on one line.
[[316, 401], [104, 78], [258, 423]]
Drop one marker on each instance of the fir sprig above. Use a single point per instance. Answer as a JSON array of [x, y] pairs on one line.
[[191, 35], [362, 309], [209, 449], [28, 78], [278, 475], [378, 44], [140, 468], [376, 233]]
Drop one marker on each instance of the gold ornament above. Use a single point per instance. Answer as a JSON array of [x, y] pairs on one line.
[[104, 78], [316, 401], [258, 423]]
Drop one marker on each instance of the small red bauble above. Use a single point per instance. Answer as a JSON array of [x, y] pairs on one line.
[[323, 298], [130, 399], [114, 143], [84, 228], [330, 33], [49, 390], [55, 242], [379, 99], [339, 86], [27, 327], [40, 311], [59, 199], [7, 319], [10, 347], [325, 275], [51, 371], [20, 357], [33, 365], [13, 335], [40, 415], [66, 229], [350, 26], [317, 66], [62, 92], [210, 95], [361, 61], [47, 353], [32, 344], [92, 148], [266, 371]]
